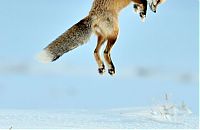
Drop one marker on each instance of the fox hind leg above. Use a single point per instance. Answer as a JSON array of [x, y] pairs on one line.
[[111, 67], [106, 29], [100, 63]]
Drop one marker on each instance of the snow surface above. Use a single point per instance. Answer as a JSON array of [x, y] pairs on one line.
[[122, 118]]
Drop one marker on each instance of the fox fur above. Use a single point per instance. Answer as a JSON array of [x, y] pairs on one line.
[[102, 20]]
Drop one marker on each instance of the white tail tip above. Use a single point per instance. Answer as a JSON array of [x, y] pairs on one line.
[[45, 56]]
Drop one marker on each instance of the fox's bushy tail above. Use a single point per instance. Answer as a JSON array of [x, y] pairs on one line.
[[75, 36]]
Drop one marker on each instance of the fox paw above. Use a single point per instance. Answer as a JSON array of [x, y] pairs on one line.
[[101, 71], [111, 71], [136, 8], [143, 19], [143, 16]]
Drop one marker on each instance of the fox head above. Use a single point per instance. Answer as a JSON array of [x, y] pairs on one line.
[[154, 4]]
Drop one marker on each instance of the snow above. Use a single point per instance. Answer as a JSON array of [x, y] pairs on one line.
[[121, 118]]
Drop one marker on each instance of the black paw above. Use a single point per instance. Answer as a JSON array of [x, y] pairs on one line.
[[135, 6], [153, 7], [111, 71], [142, 14], [101, 71]]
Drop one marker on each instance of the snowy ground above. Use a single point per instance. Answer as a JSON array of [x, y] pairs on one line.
[[138, 118]]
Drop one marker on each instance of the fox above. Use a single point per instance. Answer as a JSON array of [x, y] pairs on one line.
[[102, 20]]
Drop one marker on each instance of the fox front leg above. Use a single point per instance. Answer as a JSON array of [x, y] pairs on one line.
[[141, 9], [153, 4]]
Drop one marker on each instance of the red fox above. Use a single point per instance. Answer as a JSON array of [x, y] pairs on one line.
[[101, 20]]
